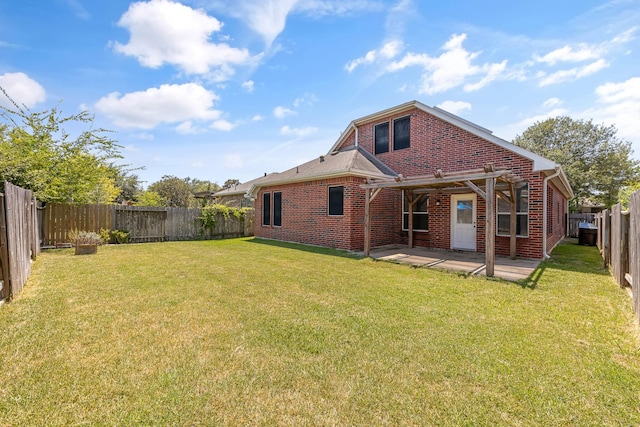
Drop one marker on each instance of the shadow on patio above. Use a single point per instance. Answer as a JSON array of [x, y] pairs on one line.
[[471, 263]]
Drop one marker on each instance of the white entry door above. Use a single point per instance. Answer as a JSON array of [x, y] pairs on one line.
[[463, 221]]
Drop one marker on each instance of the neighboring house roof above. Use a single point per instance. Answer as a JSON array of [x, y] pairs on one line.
[[350, 161], [540, 164], [241, 189]]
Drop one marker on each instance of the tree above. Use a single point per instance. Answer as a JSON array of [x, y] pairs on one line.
[[128, 184], [230, 183], [149, 198], [626, 192], [175, 192], [198, 185], [40, 155], [596, 162]]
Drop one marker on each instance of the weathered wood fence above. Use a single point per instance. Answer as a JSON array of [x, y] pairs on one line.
[[574, 221], [19, 242], [619, 243], [145, 224]]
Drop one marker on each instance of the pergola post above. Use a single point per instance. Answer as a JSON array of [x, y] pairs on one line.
[[367, 222], [490, 230], [409, 196], [369, 195], [513, 221]]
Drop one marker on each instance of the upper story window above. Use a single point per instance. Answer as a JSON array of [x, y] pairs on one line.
[[522, 213], [336, 200], [381, 138], [401, 133]]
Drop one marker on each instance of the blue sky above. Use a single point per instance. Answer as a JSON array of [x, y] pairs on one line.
[[218, 89]]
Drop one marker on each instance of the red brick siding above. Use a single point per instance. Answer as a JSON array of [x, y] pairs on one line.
[[305, 213], [436, 144], [556, 211]]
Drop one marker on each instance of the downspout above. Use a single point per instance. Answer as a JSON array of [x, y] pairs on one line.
[[545, 255], [356, 128]]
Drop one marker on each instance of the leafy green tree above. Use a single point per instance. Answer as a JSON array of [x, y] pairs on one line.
[[198, 185], [230, 183], [128, 184], [626, 192], [596, 161], [149, 198], [40, 155], [175, 192]]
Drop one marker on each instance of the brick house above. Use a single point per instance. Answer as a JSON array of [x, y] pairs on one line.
[[417, 175]]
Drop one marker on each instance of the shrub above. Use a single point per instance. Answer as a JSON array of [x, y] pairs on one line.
[[209, 214], [85, 238], [114, 236]]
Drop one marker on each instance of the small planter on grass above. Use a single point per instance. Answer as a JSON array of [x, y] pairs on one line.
[[86, 242]]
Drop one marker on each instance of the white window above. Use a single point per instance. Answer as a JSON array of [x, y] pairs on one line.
[[420, 214], [503, 213]]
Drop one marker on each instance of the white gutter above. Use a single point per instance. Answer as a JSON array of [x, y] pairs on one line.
[[544, 212]]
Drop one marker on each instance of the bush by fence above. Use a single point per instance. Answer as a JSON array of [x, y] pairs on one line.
[[145, 224], [619, 243]]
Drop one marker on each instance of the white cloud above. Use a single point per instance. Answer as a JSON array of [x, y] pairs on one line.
[[268, 18], [451, 68], [455, 107], [186, 128], [163, 31], [573, 73], [222, 125], [145, 136], [583, 52], [619, 104], [22, 89], [257, 118], [78, 9], [306, 99], [387, 51], [166, 104], [282, 112], [552, 102], [248, 86], [298, 132]]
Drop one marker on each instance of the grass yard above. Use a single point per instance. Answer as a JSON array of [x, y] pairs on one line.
[[250, 332]]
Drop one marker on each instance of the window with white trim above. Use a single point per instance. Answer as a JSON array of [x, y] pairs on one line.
[[277, 209], [381, 138], [336, 201], [503, 213], [401, 133], [420, 214], [266, 209]]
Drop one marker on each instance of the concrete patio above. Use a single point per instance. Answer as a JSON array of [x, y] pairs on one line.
[[465, 262]]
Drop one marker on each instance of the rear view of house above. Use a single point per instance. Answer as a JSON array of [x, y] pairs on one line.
[[417, 175]]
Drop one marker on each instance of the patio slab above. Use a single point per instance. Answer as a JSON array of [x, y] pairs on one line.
[[472, 263]]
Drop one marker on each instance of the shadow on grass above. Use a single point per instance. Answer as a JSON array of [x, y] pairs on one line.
[[320, 250], [569, 256]]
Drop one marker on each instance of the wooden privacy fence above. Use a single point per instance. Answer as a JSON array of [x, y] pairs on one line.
[[144, 223], [18, 239], [619, 243], [574, 221]]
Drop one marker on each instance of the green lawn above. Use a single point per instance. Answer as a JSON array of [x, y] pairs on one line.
[[251, 332]]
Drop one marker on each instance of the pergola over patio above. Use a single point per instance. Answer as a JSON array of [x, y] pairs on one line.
[[416, 187]]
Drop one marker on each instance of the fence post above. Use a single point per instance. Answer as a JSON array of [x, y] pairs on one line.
[[606, 237], [4, 252]]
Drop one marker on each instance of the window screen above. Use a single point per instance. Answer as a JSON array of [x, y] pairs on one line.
[[382, 138], [401, 133], [277, 209], [266, 209], [336, 197]]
